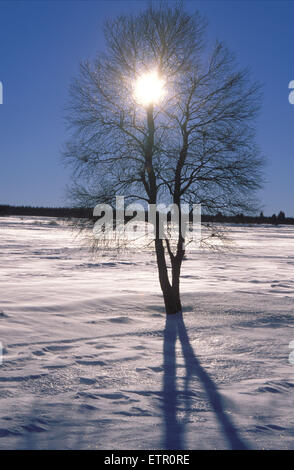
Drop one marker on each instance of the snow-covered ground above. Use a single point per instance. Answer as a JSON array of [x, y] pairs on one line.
[[90, 361]]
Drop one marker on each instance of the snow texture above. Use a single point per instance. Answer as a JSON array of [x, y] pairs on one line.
[[91, 362]]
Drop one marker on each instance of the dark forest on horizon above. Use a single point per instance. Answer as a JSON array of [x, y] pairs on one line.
[[87, 213]]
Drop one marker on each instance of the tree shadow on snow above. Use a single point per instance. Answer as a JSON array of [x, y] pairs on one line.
[[174, 435]]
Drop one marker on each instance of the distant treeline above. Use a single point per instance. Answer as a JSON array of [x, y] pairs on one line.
[[246, 219], [64, 212], [67, 212]]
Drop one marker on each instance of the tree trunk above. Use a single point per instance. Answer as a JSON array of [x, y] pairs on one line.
[[171, 292], [176, 271]]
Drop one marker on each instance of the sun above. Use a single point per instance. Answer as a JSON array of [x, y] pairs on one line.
[[149, 88]]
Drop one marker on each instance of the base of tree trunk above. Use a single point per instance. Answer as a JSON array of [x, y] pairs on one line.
[[172, 304]]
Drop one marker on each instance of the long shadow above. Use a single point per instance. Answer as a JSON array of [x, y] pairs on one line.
[[174, 437], [174, 431]]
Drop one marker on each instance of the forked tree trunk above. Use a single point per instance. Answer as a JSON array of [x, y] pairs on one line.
[[171, 292]]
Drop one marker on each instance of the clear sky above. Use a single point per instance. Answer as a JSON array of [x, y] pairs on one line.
[[42, 43]]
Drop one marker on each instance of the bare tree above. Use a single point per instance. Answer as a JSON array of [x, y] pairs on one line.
[[195, 145]]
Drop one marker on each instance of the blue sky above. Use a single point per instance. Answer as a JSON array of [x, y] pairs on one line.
[[42, 43]]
